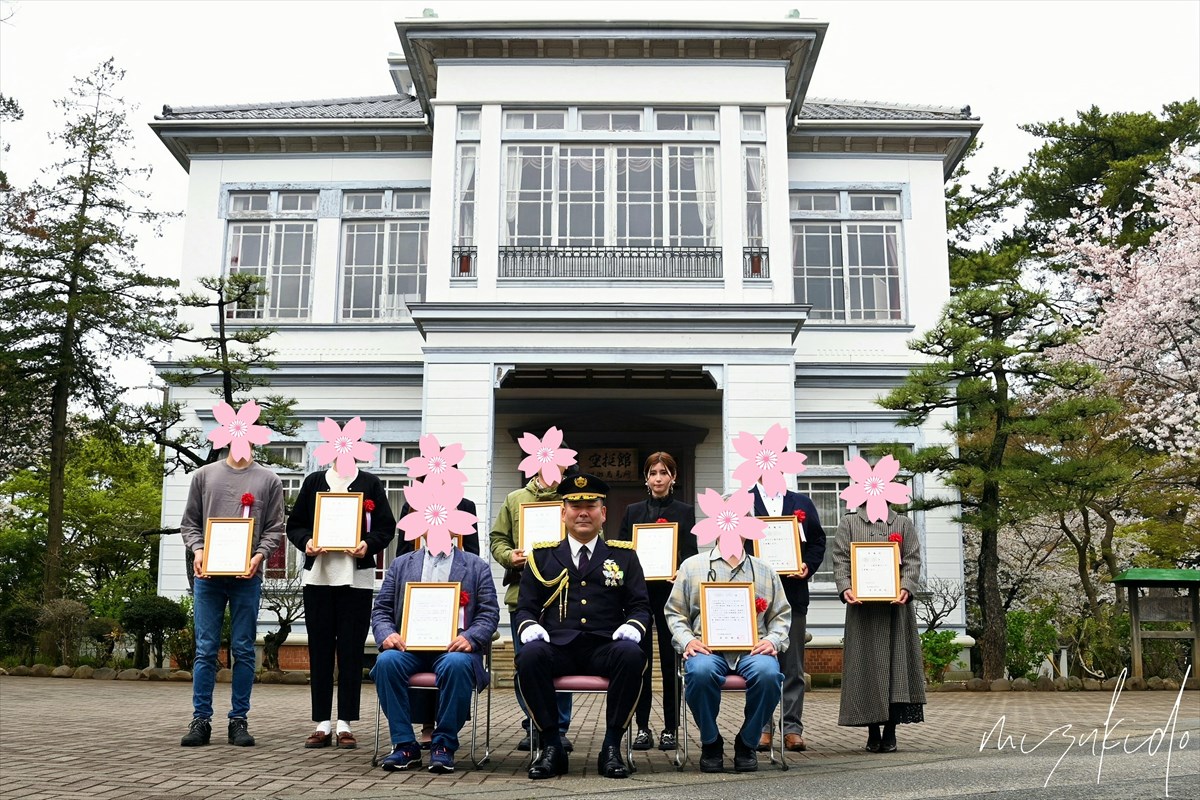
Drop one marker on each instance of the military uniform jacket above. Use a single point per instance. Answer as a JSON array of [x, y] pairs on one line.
[[568, 605]]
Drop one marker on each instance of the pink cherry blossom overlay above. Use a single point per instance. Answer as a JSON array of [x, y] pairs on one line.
[[237, 431], [766, 461], [343, 446], [728, 521], [546, 456], [873, 486], [437, 464], [435, 515]]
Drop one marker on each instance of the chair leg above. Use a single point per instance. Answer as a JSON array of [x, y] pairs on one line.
[[378, 717], [681, 745]]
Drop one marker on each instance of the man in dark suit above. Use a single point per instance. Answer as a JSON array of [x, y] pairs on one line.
[[582, 609], [459, 670], [795, 588]]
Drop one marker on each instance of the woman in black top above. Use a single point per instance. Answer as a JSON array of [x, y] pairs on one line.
[[660, 471]]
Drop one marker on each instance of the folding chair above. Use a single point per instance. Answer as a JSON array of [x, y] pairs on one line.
[[578, 684], [733, 683], [427, 681]]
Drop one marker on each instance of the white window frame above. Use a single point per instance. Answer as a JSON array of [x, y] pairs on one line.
[[401, 212], [847, 232], [274, 224]]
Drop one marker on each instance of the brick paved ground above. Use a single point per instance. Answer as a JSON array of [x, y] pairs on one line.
[[110, 739]]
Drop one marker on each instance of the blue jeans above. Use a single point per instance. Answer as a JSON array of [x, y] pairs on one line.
[[705, 677], [564, 699], [210, 596], [455, 682]]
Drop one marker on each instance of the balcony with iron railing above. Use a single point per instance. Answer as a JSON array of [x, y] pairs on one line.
[[614, 263]]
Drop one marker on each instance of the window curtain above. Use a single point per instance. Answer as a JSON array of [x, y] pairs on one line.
[[466, 189], [754, 198]]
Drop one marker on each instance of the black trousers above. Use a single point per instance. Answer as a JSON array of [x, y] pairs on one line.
[[621, 661], [338, 618], [659, 592]]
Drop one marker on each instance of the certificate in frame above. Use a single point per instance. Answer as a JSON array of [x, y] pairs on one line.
[[657, 547], [337, 522], [430, 615], [780, 545], [728, 619], [875, 571], [227, 543], [540, 522]]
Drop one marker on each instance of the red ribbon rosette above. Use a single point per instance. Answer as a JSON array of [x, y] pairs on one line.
[[760, 604], [247, 502], [800, 515], [660, 520], [464, 598], [895, 537]]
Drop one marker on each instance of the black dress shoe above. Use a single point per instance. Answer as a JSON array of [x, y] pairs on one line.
[[567, 746], [644, 740], [609, 764], [744, 758], [887, 742], [552, 763], [667, 741], [524, 744], [872, 739], [712, 756]]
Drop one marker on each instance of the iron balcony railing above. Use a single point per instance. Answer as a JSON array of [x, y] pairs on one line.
[[462, 261], [755, 263], [687, 263]]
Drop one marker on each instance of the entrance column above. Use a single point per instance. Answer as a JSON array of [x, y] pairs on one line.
[[458, 407], [756, 396]]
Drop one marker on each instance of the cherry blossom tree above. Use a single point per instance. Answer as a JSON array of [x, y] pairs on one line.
[[1139, 309]]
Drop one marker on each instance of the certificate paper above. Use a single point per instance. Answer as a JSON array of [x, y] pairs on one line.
[[227, 543], [780, 545], [727, 616], [337, 524], [430, 615], [656, 545], [875, 570], [540, 522]]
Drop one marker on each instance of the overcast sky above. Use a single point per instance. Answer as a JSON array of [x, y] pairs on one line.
[[1012, 61]]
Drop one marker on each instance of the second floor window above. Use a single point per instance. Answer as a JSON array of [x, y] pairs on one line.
[[846, 255], [384, 254], [270, 238], [595, 195]]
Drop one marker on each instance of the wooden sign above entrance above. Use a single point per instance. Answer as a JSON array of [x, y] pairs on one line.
[[611, 464]]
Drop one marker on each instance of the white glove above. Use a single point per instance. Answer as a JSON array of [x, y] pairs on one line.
[[629, 632], [534, 631]]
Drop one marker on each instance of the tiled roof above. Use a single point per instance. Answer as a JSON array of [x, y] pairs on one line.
[[390, 106], [853, 110], [398, 106]]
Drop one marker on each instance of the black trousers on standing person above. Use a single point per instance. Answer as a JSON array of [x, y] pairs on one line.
[[659, 591], [337, 618]]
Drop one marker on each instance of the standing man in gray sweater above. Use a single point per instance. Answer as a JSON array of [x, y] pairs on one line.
[[233, 487]]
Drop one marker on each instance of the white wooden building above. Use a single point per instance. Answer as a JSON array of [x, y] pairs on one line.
[[644, 233]]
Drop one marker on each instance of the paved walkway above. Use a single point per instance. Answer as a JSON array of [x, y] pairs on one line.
[[109, 739]]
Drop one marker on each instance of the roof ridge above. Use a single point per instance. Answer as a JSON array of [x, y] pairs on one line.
[[841, 101], [329, 101]]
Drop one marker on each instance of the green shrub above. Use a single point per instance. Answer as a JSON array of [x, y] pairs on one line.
[[153, 616], [182, 643], [65, 620], [940, 652], [1031, 638], [19, 631]]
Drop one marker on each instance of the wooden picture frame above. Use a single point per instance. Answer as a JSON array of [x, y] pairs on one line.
[[227, 545], [431, 614], [657, 547], [875, 571], [780, 546], [728, 618], [534, 525], [338, 520]]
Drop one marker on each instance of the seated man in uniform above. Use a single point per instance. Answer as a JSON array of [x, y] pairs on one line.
[[582, 609], [706, 670]]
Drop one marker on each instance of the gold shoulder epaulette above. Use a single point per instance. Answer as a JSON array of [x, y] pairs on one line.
[[621, 544], [544, 545]]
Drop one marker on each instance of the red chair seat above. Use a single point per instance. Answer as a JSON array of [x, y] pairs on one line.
[[423, 680], [581, 683]]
